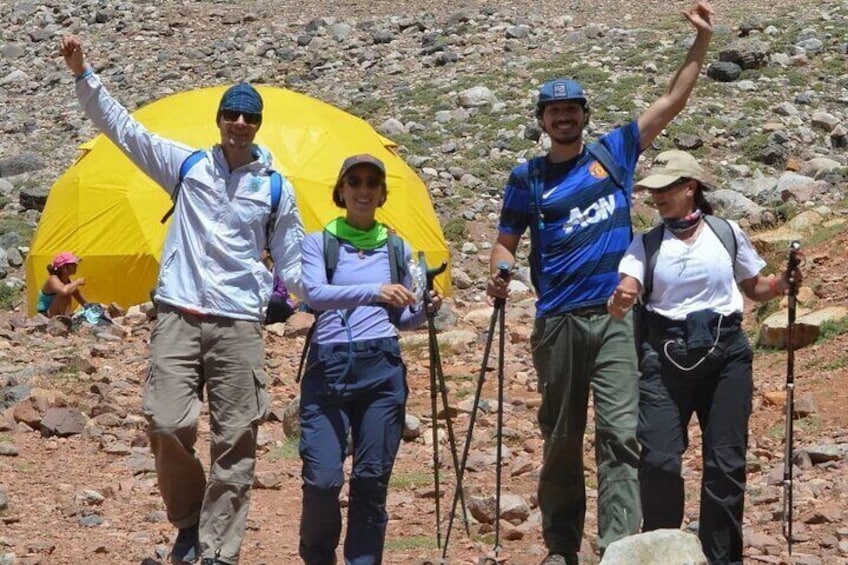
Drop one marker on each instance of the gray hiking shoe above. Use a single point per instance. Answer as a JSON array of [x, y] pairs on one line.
[[186, 547]]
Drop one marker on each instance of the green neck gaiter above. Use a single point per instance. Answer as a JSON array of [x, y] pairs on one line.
[[361, 239]]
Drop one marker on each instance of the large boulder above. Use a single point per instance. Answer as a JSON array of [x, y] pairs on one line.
[[773, 332], [654, 548]]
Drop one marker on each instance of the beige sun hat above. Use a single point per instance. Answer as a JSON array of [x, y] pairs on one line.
[[671, 166]]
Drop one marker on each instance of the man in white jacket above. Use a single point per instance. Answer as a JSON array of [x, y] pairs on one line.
[[211, 296]]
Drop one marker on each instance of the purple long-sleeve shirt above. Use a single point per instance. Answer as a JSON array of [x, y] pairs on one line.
[[353, 293]]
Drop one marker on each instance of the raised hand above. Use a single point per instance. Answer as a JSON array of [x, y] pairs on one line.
[[700, 15], [70, 47]]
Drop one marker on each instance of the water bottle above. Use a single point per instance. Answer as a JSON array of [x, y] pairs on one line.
[[419, 279]]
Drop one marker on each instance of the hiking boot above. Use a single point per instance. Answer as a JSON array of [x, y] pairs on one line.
[[559, 559], [186, 547], [212, 561]]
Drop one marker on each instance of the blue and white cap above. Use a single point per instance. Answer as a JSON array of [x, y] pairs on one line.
[[560, 89]]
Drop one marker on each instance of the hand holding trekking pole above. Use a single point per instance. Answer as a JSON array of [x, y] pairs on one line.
[[793, 275], [501, 282], [498, 285]]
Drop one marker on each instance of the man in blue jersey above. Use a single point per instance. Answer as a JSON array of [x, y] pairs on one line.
[[576, 202]]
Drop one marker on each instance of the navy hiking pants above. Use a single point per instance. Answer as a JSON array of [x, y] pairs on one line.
[[359, 389]]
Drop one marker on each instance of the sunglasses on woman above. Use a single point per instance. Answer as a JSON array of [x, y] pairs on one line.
[[355, 181]]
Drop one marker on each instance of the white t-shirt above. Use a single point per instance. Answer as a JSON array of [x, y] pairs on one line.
[[694, 276]]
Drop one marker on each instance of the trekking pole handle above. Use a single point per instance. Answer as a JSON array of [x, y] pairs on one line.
[[433, 273], [430, 274], [792, 263], [504, 272]]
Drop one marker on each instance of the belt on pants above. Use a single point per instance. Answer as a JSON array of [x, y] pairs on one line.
[[383, 344], [588, 311]]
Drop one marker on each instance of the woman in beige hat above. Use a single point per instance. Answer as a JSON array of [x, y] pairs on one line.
[[691, 272]]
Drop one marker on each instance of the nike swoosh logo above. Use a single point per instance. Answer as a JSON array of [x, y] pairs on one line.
[[548, 193]]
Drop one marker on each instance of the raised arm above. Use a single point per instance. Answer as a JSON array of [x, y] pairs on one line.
[[666, 107], [159, 158]]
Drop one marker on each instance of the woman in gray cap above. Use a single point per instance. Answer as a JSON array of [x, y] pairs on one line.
[[355, 379], [693, 354]]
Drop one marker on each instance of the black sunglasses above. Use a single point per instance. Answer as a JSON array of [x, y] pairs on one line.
[[355, 181], [233, 116]]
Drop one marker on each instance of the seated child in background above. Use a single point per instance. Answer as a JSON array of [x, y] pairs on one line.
[[55, 298]]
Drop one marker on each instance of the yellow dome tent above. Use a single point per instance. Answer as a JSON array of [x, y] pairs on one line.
[[104, 209]]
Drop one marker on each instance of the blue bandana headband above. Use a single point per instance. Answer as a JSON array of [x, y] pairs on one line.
[[241, 97]]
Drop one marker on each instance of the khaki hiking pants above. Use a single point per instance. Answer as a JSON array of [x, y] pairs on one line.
[[188, 354]]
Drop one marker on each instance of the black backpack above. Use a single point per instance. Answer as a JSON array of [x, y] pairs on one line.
[[397, 268]]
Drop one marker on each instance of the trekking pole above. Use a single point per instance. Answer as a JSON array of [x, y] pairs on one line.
[[499, 442], [437, 385], [497, 315], [791, 264]]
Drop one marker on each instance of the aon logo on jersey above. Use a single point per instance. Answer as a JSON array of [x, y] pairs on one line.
[[599, 211]]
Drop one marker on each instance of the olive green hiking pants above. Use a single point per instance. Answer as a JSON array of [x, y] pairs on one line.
[[573, 354]]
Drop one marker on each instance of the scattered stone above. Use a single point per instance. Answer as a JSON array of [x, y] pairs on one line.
[[62, 422]]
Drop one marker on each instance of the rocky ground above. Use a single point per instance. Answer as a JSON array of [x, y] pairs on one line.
[[453, 84]]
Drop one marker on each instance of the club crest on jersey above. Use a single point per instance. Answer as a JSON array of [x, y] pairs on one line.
[[254, 184], [597, 170]]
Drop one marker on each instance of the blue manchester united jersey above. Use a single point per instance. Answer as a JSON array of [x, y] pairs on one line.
[[582, 226]]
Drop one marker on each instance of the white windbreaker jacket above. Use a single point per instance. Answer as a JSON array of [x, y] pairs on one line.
[[211, 260]]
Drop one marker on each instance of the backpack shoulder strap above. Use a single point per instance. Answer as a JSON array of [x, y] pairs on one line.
[[276, 195], [188, 163], [536, 184], [725, 234], [331, 254], [397, 265], [276, 190], [616, 172], [331, 259], [651, 240]]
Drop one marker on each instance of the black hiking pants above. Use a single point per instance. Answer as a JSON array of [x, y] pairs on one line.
[[716, 383]]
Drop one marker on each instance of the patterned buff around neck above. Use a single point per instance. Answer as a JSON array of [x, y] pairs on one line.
[[687, 222], [361, 239]]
